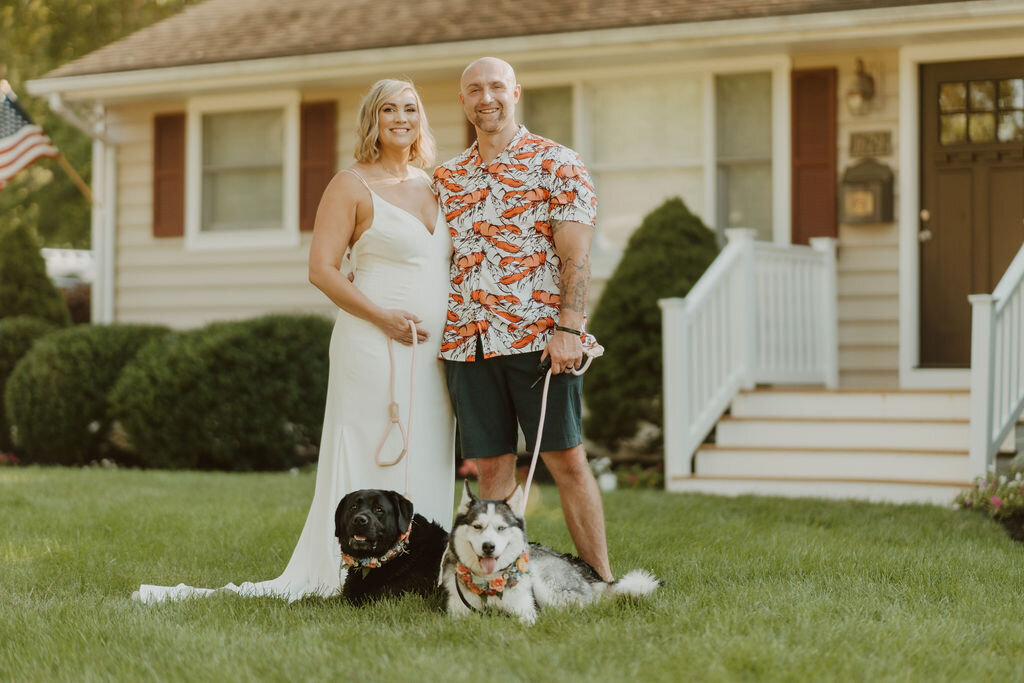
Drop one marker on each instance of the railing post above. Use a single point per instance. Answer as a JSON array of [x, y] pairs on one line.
[[982, 350], [829, 294], [745, 314], [675, 386]]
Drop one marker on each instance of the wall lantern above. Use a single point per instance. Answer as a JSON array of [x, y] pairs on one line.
[[862, 92]]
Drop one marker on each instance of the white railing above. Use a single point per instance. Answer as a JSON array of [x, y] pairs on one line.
[[997, 365], [760, 313]]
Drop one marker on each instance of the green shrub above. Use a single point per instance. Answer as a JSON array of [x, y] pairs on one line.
[[17, 335], [663, 258], [25, 288], [243, 395], [57, 395]]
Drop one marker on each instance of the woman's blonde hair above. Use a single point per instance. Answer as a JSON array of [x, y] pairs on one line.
[[368, 147]]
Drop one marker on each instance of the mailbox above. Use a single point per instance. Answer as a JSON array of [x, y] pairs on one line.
[[866, 193]]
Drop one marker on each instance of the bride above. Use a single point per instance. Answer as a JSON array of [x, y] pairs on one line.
[[383, 211]]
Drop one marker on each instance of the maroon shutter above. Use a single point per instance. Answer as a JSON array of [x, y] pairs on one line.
[[316, 157], [169, 175], [814, 154]]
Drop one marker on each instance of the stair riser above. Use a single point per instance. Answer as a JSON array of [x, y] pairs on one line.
[[880, 493], [901, 466], [852, 405], [854, 435]]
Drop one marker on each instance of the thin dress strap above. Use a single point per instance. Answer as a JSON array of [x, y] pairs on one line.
[[356, 174]]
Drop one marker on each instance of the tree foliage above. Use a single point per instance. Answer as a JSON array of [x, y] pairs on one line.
[[663, 258], [38, 36], [25, 288]]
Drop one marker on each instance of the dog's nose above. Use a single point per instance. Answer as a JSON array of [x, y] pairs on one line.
[[361, 520], [488, 548]]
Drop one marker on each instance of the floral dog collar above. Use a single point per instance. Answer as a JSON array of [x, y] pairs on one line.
[[509, 577], [368, 563]]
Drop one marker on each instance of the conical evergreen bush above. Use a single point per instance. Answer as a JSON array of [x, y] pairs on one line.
[[663, 258], [25, 288]]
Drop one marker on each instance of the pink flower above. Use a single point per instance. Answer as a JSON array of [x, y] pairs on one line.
[[996, 502]]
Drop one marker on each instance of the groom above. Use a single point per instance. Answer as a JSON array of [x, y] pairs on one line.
[[521, 210]]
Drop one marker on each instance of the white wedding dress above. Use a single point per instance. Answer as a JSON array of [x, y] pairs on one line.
[[398, 263]]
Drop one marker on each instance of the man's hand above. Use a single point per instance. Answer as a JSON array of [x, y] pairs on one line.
[[566, 351]]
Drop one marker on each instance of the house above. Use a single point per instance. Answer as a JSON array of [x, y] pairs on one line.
[[893, 128]]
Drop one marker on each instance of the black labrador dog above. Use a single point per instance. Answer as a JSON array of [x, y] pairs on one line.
[[387, 549]]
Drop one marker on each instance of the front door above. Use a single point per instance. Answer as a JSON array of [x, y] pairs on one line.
[[972, 195]]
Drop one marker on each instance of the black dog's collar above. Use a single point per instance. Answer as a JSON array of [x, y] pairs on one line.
[[368, 563]]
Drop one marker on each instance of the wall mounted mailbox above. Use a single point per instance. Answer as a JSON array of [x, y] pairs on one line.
[[866, 193]]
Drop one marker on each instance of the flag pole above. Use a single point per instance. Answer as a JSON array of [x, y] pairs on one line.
[[6, 89], [75, 178]]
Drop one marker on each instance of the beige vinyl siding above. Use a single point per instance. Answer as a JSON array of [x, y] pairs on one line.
[[868, 258], [159, 281]]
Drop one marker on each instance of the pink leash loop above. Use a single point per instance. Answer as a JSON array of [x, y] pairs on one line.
[[540, 425], [393, 415]]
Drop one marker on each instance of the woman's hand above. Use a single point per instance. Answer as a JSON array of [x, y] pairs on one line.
[[395, 323]]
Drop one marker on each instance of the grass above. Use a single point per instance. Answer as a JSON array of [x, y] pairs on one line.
[[756, 589]]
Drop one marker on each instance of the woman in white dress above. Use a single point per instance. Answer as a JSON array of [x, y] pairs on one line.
[[383, 211]]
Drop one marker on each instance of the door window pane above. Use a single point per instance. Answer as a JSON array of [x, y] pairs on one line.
[[1011, 94], [983, 95], [953, 129], [548, 112], [952, 97], [1011, 126], [243, 159], [982, 127]]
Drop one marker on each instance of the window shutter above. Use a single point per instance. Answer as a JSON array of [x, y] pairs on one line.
[[317, 141], [814, 154], [169, 175]]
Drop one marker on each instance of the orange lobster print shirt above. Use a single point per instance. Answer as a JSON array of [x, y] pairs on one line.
[[505, 272]]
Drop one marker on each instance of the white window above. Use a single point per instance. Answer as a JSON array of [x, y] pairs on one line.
[[744, 152], [548, 112], [242, 171]]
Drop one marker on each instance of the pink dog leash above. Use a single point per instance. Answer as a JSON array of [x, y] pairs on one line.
[[591, 350], [393, 414]]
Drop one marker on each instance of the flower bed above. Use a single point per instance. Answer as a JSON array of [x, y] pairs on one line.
[[1000, 497]]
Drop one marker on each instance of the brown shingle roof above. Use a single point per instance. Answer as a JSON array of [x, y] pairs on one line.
[[230, 30]]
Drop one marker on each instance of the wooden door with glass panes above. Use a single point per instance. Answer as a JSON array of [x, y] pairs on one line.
[[972, 195]]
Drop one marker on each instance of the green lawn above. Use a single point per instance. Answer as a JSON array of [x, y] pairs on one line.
[[756, 589]]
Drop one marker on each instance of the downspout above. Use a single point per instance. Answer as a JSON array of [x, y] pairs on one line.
[[104, 208]]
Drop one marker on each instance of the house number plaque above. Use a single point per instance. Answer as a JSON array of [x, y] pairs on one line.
[[871, 144]]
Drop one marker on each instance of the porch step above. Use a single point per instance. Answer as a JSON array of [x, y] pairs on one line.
[[855, 433], [846, 464], [875, 490], [806, 403]]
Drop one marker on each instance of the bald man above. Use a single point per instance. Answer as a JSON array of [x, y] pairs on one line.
[[521, 210]]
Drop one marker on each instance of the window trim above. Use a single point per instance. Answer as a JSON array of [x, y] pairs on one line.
[[287, 235]]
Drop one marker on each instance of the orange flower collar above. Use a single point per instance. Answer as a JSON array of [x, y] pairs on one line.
[[368, 563], [509, 577]]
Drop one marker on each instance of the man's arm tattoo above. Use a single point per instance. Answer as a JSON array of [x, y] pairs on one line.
[[575, 282]]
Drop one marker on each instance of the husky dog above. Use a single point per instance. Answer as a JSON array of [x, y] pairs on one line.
[[490, 564]]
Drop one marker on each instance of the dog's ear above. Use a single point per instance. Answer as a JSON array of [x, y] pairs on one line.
[[467, 498], [339, 517], [517, 501], [403, 510]]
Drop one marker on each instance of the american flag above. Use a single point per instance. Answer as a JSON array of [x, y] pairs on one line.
[[21, 141]]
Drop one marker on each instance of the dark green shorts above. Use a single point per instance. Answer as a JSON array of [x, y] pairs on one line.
[[492, 397]]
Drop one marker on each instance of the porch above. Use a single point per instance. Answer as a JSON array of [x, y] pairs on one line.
[[752, 398]]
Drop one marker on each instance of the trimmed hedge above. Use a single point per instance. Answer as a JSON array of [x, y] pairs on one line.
[[17, 335], [57, 395], [663, 258], [25, 288], [245, 395]]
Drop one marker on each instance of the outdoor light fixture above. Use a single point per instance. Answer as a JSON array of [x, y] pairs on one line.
[[860, 94]]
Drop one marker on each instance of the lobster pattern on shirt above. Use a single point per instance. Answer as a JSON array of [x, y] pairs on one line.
[[505, 272]]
